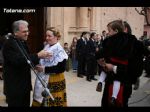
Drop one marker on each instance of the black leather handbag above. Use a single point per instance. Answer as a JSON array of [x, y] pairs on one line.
[[99, 87]]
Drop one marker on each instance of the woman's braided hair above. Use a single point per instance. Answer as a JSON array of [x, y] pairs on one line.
[[55, 32]]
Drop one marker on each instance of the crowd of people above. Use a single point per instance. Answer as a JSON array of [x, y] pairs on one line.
[[116, 56], [82, 54]]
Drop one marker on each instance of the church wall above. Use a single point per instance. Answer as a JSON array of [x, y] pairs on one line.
[[72, 21]]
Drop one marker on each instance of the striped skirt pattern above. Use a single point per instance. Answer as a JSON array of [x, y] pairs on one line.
[[57, 87]]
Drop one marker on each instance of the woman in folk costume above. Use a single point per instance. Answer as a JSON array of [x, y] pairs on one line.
[[52, 72]]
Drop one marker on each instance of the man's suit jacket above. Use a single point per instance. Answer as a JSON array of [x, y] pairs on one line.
[[81, 47]]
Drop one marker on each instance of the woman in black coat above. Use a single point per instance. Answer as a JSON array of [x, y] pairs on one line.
[[119, 51]]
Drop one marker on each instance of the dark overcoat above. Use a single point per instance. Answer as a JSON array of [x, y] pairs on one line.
[[128, 52], [17, 72]]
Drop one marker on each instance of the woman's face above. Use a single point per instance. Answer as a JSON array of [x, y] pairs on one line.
[[74, 40], [94, 37], [50, 38], [111, 31], [98, 37]]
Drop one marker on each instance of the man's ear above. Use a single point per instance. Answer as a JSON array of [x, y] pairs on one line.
[[116, 31], [126, 30], [15, 33]]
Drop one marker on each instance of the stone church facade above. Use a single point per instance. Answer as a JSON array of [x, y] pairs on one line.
[[72, 21]]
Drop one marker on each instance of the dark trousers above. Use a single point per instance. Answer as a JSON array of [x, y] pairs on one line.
[[22, 100], [67, 65], [81, 65], [91, 67], [74, 63]]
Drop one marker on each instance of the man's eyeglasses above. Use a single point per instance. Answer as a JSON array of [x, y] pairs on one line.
[[25, 31]]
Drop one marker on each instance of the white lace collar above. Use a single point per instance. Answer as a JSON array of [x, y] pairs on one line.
[[58, 52]]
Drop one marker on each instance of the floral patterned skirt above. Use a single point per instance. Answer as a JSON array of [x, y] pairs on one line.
[[57, 87]]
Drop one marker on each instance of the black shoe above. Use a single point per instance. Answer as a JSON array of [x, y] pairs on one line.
[[99, 87], [84, 74], [94, 79], [89, 80], [81, 76], [1, 77], [113, 102]]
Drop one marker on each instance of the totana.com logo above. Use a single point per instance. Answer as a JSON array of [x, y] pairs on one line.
[[10, 10]]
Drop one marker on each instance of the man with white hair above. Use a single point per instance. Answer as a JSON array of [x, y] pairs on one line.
[[17, 72]]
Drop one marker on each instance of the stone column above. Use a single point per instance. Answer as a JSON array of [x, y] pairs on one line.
[[50, 17], [83, 18], [93, 19]]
